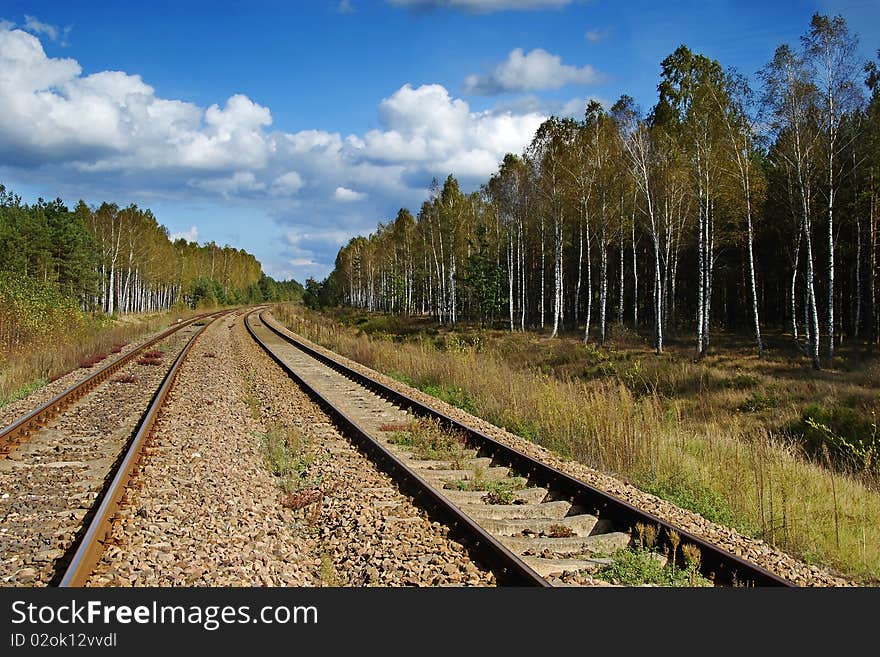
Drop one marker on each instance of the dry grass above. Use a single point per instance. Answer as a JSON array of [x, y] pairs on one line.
[[34, 364], [671, 426]]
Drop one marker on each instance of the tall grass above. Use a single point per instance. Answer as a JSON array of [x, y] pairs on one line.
[[50, 342], [733, 472]]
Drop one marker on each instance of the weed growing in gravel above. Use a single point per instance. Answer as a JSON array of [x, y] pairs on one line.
[[253, 405], [287, 455], [497, 492], [640, 566], [559, 531], [430, 441], [647, 535], [328, 571]]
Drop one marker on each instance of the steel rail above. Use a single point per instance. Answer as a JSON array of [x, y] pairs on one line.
[[509, 569], [90, 547], [719, 565], [16, 432]]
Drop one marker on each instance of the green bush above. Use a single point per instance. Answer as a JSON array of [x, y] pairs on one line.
[[32, 311], [756, 402], [694, 496], [850, 437], [451, 395]]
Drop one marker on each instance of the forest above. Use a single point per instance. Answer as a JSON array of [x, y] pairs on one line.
[[723, 208], [58, 264]]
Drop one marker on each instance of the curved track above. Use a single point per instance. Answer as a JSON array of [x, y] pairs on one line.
[[512, 539]]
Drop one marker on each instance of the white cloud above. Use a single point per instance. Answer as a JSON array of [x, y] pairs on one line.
[[345, 195], [431, 131], [482, 6], [240, 182], [52, 32], [111, 120], [345, 7], [532, 71], [191, 235], [108, 135], [287, 184], [596, 35]]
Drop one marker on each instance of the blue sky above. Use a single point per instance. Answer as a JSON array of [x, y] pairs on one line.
[[285, 128]]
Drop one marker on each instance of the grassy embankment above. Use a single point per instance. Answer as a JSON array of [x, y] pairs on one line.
[[728, 437], [43, 335]]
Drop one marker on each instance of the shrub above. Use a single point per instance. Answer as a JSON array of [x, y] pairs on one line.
[[756, 402], [850, 438], [641, 566], [32, 310], [453, 395]]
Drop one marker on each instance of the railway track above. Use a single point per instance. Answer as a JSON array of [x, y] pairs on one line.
[[549, 529], [67, 462], [21, 429]]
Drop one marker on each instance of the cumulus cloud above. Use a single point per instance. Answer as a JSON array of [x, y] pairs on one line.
[[312, 250], [531, 71], [191, 235], [108, 135], [428, 130], [111, 119], [345, 195], [481, 6]]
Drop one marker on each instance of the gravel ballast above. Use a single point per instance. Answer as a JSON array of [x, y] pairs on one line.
[[205, 510]]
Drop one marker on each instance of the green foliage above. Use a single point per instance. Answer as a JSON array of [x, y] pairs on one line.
[[319, 295], [287, 457], [206, 293], [850, 437], [22, 392], [640, 566], [451, 395], [482, 278], [692, 495], [31, 310], [757, 402]]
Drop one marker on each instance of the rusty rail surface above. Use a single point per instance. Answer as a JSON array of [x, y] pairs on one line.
[[717, 564], [23, 427], [90, 546]]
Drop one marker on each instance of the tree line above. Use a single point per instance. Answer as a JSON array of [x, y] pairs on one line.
[[723, 206], [120, 260]]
